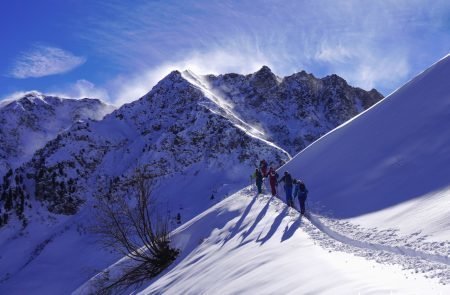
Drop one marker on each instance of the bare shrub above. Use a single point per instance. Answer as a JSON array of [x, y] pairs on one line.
[[133, 228]]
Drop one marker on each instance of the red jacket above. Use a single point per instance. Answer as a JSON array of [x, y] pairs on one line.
[[273, 177]]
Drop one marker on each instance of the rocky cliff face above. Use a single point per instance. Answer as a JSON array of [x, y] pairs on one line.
[[292, 111]]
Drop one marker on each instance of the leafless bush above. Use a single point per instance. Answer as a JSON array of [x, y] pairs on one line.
[[133, 228]]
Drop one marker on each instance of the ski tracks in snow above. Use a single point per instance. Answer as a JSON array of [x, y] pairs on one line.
[[385, 246], [375, 246]]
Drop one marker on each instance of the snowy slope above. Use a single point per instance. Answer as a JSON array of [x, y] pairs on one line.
[[379, 196], [256, 245], [389, 167]]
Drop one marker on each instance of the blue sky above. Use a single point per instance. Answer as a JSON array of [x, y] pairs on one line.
[[117, 50]]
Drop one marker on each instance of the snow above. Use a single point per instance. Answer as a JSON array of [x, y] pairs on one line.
[[248, 244], [395, 156], [29, 121], [225, 108], [378, 197], [378, 194]]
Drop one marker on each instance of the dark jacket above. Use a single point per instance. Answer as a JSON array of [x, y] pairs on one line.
[[287, 179], [258, 176], [302, 190]]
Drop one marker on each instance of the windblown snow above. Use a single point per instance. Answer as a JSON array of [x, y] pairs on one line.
[[378, 222]]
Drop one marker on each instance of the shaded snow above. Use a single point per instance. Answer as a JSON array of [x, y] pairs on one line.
[[248, 244]]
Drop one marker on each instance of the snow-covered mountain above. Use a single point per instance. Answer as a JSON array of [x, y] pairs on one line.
[[292, 111], [181, 122], [196, 141], [28, 123], [378, 196]]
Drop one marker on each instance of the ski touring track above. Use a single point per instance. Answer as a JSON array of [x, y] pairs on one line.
[[430, 265]]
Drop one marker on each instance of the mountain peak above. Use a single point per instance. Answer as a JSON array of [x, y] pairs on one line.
[[33, 94], [265, 69], [174, 73], [173, 77], [335, 80], [30, 100], [265, 78]]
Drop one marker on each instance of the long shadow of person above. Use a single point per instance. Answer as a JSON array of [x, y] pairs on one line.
[[260, 216], [289, 231], [236, 228], [276, 223]]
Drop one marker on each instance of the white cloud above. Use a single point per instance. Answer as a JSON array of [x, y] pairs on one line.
[[336, 53], [379, 71], [44, 61], [83, 88]]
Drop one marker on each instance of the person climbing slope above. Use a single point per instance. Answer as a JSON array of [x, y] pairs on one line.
[[302, 194], [258, 179], [287, 179], [263, 167], [273, 180]]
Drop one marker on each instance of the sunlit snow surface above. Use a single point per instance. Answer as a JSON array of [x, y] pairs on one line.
[[379, 196], [256, 245]]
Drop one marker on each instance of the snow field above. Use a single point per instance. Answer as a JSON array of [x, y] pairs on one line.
[[257, 245]]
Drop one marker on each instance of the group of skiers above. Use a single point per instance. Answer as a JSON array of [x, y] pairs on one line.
[[294, 188]]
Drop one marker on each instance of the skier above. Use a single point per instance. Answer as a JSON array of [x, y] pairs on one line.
[[259, 179], [263, 167], [273, 180], [302, 192], [287, 179]]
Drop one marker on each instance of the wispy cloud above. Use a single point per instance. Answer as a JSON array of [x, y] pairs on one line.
[[377, 44], [44, 61], [84, 88]]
